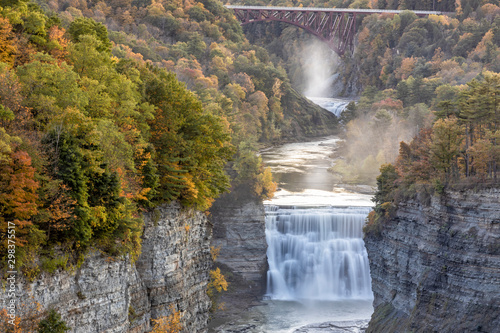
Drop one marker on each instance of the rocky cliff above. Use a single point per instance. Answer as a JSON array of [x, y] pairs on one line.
[[435, 266], [114, 295], [239, 230]]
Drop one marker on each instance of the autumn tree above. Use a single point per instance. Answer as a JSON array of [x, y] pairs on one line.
[[169, 324], [446, 141], [413, 162], [7, 45], [18, 202]]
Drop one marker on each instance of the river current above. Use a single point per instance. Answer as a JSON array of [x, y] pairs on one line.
[[318, 265]]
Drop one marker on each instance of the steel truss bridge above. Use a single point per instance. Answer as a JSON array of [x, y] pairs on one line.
[[335, 26]]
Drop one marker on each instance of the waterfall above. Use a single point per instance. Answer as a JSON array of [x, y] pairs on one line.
[[334, 105], [317, 253]]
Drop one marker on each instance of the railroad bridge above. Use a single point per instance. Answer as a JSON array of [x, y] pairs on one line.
[[334, 26]]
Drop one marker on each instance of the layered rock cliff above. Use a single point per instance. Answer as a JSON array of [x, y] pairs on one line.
[[435, 266], [114, 295], [239, 230]]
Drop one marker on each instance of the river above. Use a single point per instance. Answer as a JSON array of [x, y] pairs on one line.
[[318, 266]]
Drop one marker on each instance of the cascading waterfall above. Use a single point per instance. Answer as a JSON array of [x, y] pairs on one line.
[[317, 253], [334, 105]]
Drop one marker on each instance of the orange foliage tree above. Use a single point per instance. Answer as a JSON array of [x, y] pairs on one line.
[[7, 46], [18, 196]]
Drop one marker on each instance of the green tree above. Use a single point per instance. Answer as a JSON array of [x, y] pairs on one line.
[[386, 184], [49, 88], [447, 138], [83, 26], [53, 323], [192, 145]]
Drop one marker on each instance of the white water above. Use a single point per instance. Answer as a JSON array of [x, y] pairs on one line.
[[317, 254], [318, 264], [334, 105]]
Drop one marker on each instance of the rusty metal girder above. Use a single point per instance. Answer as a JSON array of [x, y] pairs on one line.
[[337, 29], [335, 26]]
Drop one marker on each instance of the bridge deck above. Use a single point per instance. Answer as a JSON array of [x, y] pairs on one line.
[[337, 10]]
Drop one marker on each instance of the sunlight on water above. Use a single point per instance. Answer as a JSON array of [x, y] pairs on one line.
[[318, 265], [320, 198]]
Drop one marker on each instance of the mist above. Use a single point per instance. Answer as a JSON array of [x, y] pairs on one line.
[[373, 138], [377, 126], [320, 65]]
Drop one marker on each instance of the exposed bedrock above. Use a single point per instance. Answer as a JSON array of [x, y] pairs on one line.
[[114, 295], [239, 231], [435, 266]]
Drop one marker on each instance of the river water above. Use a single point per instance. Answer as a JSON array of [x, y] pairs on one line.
[[319, 268], [318, 265]]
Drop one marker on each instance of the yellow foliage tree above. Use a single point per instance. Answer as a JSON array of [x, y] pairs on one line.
[[264, 185], [169, 324], [217, 282], [216, 285]]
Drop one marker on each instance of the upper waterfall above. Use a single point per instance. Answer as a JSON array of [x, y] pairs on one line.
[[334, 105]]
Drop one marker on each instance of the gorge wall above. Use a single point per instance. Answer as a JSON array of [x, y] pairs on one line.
[[435, 266], [239, 230], [114, 295]]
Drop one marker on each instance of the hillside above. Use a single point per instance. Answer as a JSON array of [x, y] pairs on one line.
[[409, 71], [204, 45]]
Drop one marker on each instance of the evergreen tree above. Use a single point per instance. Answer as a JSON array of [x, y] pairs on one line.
[[53, 324]]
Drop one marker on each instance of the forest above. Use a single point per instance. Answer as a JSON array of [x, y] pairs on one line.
[[110, 108], [407, 71], [438, 78], [428, 90], [92, 134]]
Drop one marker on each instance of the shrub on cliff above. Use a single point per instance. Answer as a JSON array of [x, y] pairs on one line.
[[217, 283], [53, 324], [168, 324]]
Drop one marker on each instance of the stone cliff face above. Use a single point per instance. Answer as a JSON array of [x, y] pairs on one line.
[[239, 230], [112, 295], [436, 265]]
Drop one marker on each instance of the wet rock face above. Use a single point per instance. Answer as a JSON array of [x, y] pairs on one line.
[[113, 295], [436, 265], [240, 232]]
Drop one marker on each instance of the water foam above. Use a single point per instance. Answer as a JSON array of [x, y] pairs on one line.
[[317, 253]]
